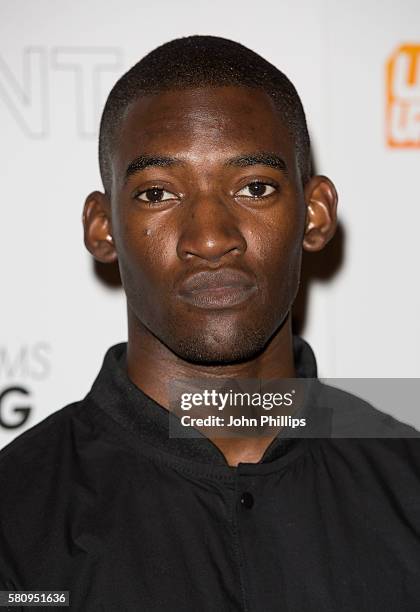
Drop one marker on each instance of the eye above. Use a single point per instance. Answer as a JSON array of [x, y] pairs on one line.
[[256, 189], [154, 195]]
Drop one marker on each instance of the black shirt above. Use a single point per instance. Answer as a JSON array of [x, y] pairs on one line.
[[98, 500]]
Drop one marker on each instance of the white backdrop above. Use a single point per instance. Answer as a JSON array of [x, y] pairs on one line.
[[356, 65]]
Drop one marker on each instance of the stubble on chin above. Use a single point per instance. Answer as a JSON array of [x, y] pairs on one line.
[[222, 344]]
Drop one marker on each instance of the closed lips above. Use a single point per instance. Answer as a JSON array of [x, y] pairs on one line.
[[217, 279]]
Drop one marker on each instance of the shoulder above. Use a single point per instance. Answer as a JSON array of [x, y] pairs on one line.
[[379, 470], [37, 465], [33, 458], [47, 478], [368, 448], [353, 417], [42, 437], [31, 477]]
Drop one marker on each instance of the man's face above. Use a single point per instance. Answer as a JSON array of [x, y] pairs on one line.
[[215, 189]]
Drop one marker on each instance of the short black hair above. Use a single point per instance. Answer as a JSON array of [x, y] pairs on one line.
[[197, 61]]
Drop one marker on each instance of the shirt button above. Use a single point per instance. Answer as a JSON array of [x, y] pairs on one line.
[[247, 500]]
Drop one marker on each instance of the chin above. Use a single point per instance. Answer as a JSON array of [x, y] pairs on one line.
[[206, 350]]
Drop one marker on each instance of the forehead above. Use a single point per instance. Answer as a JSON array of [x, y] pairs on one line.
[[203, 124]]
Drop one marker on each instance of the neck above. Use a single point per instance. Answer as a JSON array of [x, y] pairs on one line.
[[152, 367]]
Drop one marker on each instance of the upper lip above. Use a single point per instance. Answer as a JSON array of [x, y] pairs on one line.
[[224, 277]]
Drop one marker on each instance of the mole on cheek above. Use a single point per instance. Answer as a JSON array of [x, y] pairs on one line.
[[147, 232]]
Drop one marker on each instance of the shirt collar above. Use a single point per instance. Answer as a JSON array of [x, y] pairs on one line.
[[125, 403]]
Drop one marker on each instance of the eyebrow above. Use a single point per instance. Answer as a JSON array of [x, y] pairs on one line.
[[259, 159], [146, 161], [241, 161]]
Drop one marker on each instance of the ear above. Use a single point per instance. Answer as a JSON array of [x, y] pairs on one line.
[[97, 227], [321, 213]]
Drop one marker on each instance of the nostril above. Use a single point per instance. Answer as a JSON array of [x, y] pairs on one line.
[[210, 245]]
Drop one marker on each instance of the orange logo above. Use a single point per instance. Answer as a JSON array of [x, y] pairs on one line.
[[403, 97]]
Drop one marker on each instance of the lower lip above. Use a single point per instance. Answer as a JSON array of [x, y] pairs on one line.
[[218, 298]]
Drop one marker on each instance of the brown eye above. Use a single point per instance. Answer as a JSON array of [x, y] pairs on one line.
[[155, 195], [257, 189]]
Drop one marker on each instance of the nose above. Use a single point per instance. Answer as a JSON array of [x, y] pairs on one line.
[[210, 231]]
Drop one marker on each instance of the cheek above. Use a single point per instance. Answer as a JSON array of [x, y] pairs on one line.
[[143, 254], [278, 244]]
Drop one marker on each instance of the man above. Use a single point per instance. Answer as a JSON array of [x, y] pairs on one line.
[[208, 202]]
